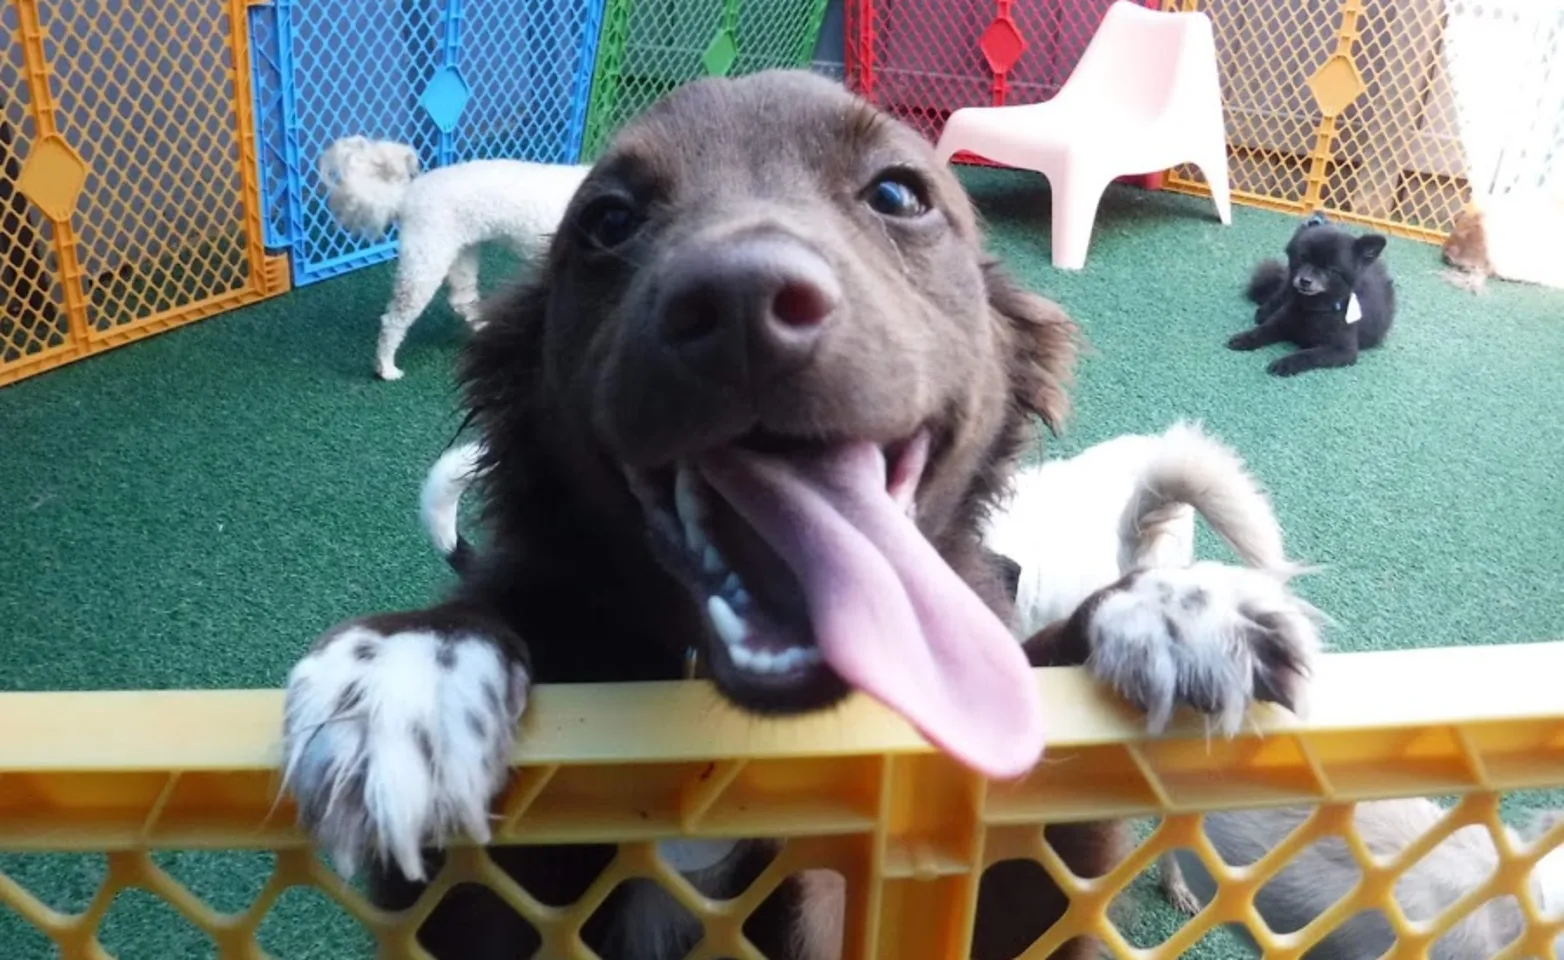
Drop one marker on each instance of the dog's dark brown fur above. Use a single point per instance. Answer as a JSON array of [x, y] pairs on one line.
[[586, 373]]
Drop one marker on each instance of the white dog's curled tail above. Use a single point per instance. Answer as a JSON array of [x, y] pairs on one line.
[[1192, 470], [441, 500], [366, 181]]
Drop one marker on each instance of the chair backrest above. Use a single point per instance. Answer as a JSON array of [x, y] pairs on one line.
[[1139, 59]]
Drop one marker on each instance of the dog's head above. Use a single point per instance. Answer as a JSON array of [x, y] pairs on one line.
[[767, 339], [1325, 261]]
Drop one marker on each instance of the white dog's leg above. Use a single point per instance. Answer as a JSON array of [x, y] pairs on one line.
[[416, 285], [462, 286], [397, 733]]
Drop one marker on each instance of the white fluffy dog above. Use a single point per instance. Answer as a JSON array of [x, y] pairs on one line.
[[444, 216], [1076, 525]]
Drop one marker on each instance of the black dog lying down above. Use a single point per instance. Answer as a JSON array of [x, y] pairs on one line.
[[1333, 297], [756, 403]]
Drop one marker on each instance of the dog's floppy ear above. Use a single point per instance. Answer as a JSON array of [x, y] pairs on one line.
[[1044, 344], [1367, 248]]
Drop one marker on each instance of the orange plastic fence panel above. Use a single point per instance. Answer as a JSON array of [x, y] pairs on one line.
[[129, 201], [1348, 106], [861, 804]]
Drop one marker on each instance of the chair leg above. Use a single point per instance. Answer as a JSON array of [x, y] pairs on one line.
[[1075, 201], [1215, 173]]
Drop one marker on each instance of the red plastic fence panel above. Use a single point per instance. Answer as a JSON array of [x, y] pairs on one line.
[[922, 60]]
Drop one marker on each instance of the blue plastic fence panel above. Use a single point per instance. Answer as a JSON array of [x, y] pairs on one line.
[[267, 66], [529, 65], [456, 79]]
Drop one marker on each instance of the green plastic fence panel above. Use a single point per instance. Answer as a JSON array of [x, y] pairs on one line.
[[649, 47]]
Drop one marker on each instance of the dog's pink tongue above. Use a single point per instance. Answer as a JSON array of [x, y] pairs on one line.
[[889, 614]]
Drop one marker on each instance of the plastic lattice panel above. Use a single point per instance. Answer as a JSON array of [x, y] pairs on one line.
[[1385, 113], [921, 60], [96, 813], [649, 47], [455, 79], [529, 67], [127, 199]]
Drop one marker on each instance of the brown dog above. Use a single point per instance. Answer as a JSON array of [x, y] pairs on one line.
[[756, 404]]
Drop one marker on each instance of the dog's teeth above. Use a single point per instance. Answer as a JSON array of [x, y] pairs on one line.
[[740, 597], [727, 624], [732, 587], [797, 657], [692, 511], [711, 560], [764, 662]]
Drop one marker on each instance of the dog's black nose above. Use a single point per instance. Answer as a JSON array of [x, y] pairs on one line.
[[747, 310]]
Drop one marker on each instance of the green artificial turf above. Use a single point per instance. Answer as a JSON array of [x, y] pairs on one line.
[[192, 510]]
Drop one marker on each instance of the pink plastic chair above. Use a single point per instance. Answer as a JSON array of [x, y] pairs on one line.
[[1144, 97]]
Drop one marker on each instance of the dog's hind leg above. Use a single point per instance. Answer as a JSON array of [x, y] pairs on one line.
[[1175, 888], [461, 283], [416, 284]]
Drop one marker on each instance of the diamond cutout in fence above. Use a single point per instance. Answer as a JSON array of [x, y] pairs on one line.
[[1002, 44], [53, 177], [445, 98], [720, 54], [1336, 84]]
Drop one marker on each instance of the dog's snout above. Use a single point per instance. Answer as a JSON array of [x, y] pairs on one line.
[[747, 309]]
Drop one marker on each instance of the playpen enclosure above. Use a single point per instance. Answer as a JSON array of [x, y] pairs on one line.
[[1387, 113], [854, 793], [128, 203], [650, 47], [1382, 112], [457, 79]]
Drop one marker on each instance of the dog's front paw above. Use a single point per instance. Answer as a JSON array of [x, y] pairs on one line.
[[388, 372], [395, 739], [1211, 636], [1244, 341], [1290, 365]]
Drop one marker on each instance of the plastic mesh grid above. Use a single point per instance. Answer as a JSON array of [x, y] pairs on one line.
[[127, 205], [126, 888], [923, 59], [529, 67], [515, 79], [907, 831], [1366, 108], [649, 47], [349, 69], [34, 319]]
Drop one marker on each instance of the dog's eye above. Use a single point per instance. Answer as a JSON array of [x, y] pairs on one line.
[[608, 222], [895, 195]]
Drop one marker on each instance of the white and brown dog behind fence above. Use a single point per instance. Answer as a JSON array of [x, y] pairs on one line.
[[1071, 526]]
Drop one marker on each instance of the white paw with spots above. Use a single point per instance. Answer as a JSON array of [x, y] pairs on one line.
[[394, 741], [1211, 636]]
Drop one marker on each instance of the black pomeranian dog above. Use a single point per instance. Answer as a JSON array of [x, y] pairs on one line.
[[1333, 298]]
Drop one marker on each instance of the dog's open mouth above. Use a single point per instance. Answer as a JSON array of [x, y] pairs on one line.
[[806, 557]]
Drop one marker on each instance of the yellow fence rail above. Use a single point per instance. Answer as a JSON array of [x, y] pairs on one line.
[[853, 791], [129, 201]]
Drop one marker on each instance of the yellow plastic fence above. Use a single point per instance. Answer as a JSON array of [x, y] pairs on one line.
[[853, 791], [1349, 106], [128, 194]]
